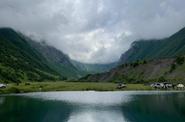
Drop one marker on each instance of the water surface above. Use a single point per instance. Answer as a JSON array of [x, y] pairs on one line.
[[92, 106]]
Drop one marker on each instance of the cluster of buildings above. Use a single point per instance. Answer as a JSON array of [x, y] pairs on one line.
[[159, 85], [166, 85]]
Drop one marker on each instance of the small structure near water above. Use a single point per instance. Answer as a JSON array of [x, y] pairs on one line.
[[121, 85], [2, 85], [180, 86], [166, 85]]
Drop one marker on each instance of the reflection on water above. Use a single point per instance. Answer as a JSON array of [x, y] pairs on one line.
[[1, 100], [93, 115], [91, 97], [94, 107]]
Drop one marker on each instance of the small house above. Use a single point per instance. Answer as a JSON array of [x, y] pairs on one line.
[[168, 85], [121, 85], [157, 85], [163, 85], [2, 85], [180, 86]]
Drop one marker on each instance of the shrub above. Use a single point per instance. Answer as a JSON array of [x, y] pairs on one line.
[[180, 60], [173, 67], [14, 90], [144, 62], [135, 64], [161, 79], [27, 84]]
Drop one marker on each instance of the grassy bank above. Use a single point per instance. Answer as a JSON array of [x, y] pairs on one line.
[[67, 86]]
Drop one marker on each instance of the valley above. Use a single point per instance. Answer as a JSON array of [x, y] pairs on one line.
[[23, 60]]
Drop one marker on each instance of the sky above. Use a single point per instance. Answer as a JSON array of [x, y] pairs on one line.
[[93, 31]]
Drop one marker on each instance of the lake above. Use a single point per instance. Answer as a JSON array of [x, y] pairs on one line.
[[91, 106]]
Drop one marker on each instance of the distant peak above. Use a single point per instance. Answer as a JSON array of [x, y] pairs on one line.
[[7, 29]]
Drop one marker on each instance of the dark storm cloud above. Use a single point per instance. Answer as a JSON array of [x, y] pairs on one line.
[[94, 31]]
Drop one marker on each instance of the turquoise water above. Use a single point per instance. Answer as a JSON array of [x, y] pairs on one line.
[[93, 107]]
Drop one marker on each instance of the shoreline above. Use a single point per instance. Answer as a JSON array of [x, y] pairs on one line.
[[58, 86]]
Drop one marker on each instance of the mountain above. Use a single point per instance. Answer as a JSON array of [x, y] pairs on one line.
[[94, 68], [171, 70], [57, 59], [156, 49], [24, 59], [149, 60], [19, 61], [63, 64]]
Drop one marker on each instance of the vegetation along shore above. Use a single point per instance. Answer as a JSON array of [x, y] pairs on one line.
[[70, 86]]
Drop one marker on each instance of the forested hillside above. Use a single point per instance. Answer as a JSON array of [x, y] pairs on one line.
[[58, 60], [19, 61], [24, 59], [156, 49]]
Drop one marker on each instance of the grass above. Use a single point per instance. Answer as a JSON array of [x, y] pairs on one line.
[[67, 86]]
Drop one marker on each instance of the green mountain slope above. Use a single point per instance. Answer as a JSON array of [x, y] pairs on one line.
[[23, 59], [170, 70], [156, 49], [149, 60], [64, 65], [20, 62], [57, 59]]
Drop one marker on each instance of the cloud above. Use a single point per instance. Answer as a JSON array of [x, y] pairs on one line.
[[93, 31]]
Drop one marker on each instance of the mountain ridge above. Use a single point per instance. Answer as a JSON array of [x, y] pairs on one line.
[[44, 57], [149, 60], [156, 49], [19, 61]]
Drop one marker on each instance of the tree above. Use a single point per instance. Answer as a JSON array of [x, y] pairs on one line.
[[180, 60], [173, 67], [144, 62], [135, 64], [161, 79]]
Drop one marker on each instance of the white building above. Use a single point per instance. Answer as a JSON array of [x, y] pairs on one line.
[[2, 85]]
